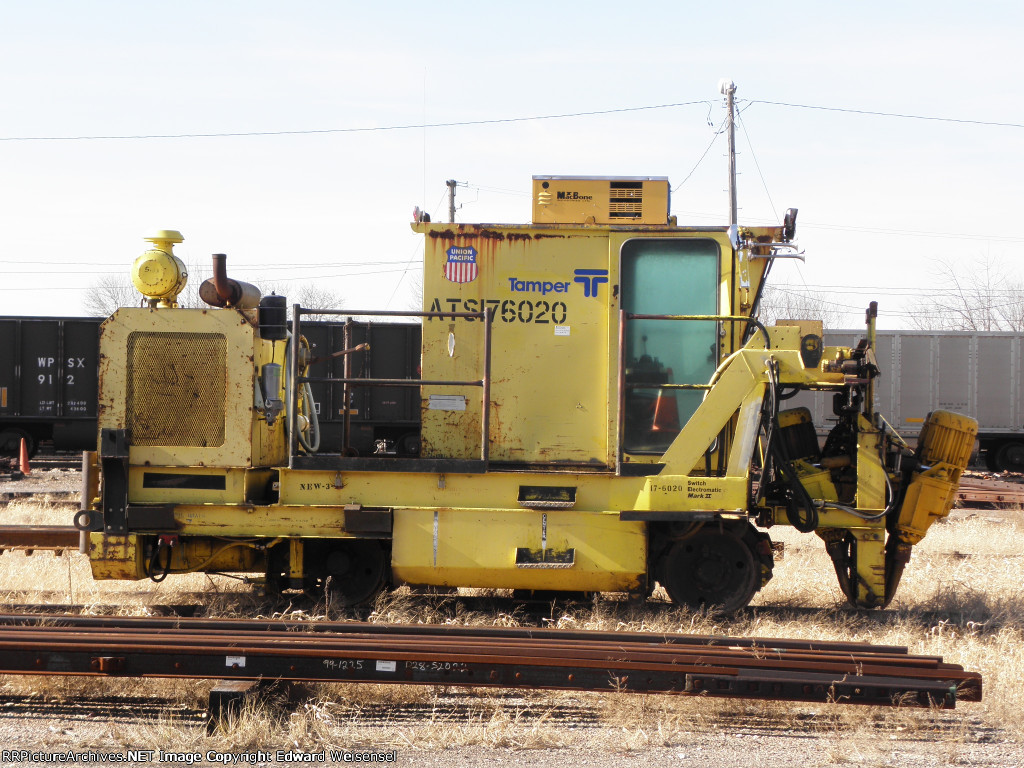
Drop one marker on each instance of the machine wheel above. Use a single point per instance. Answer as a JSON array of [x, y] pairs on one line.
[[711, 569], [1010, 457], [353, 571]]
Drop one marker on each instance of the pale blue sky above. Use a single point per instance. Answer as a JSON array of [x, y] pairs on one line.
[[880, 198]]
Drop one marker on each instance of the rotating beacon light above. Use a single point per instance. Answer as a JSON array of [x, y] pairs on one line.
[[158, 274]]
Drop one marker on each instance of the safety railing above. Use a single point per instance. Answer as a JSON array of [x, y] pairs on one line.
[[349, 382]]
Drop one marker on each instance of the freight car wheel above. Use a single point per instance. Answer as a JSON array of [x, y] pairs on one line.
[[711, 569], [409, 444], [10, 442], [353, 571], [1010, 457]]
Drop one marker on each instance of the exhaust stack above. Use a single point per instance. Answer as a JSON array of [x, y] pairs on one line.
[[222, 291]]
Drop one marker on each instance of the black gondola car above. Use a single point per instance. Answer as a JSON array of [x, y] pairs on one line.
[[48, 384]]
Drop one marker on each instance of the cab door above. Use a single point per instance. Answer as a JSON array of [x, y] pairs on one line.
[[666, 276]]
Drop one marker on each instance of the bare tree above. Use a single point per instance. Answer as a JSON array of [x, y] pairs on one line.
[[788, 303], [975, 296], [110, 293], [309, 296], [416, 299]]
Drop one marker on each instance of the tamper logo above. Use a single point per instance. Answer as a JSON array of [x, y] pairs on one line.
[[591, 278]]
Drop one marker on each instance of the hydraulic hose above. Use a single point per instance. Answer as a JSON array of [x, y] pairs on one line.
[[309, 411], [797, 497], [158, 570], [311, 445]]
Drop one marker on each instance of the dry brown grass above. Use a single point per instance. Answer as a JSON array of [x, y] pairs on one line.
[[962, 598]]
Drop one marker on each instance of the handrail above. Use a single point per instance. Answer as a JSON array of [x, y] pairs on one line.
[[722, 318], [487, 316]]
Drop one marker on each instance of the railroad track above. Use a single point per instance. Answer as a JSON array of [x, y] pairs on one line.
[[43, 462], [55, 498], [55, 461], [235, 649], [117, 709]]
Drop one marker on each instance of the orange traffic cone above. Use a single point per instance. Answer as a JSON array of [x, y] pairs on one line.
[[23, 458], [666, 413]]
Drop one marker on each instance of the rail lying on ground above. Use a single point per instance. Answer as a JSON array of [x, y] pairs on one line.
[[29, 538], [755, 668]]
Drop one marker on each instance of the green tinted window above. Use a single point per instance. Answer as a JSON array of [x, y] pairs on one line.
[[667, 277]]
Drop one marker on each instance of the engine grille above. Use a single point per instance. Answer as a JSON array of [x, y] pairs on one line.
[[176, 388]]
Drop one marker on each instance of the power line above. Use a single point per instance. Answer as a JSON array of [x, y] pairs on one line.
[[900, 115], [871, 230], [717, 132], [496, 190], [409, 263], [757, 165], [497, 121], [893, 290], [414, 126], [933, 310]]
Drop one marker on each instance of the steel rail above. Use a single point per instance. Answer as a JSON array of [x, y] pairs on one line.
[[529, 653], [241, 663], [533, 633], [430, 656], [547, 640], [649, 647], [33, 537]]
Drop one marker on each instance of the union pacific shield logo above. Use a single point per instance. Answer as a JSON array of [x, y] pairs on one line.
[[461, 266]]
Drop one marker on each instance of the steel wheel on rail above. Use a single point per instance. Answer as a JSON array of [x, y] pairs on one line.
[[10, 442], [711, 569], [353, 571], [1010, 457]]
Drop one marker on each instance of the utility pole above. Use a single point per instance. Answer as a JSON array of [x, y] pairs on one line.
[[452, 184], [728, 89]]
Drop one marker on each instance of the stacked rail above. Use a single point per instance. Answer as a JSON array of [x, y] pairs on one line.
[[986, 490], [756, 668]]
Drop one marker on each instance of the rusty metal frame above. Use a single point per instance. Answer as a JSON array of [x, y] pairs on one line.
[[485, 316]]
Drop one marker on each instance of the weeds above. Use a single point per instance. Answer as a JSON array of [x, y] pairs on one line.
[[962, 598]]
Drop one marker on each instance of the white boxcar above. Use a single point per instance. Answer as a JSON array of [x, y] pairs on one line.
[[977, 374]]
